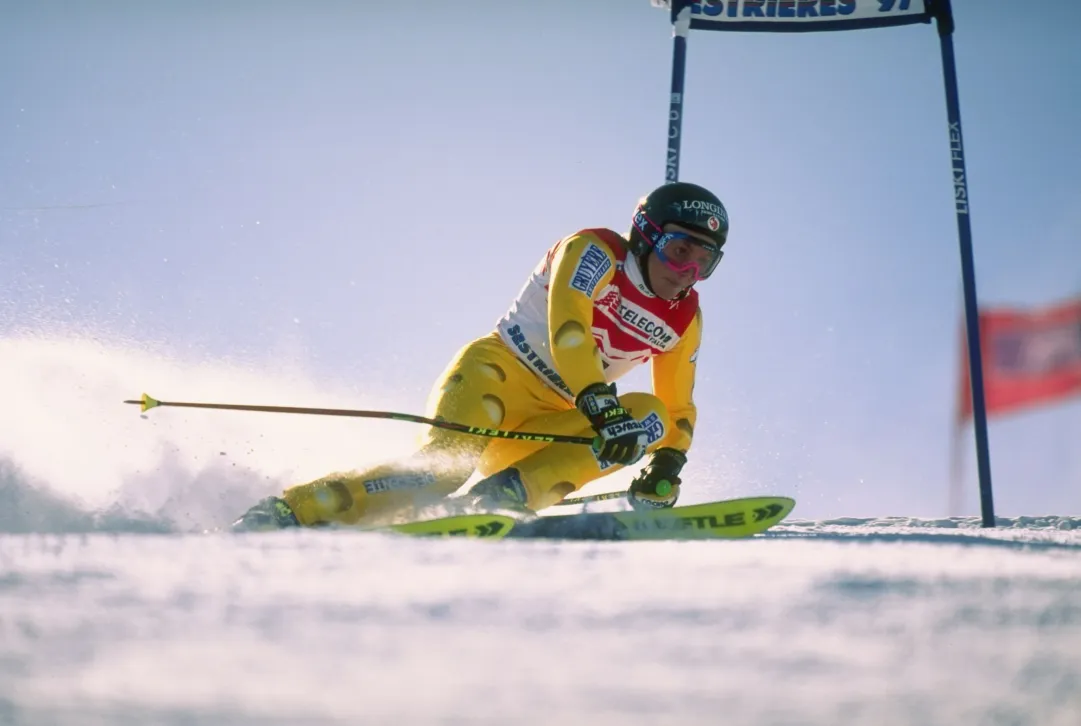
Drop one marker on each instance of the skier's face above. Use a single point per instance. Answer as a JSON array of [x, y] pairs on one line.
[[677, 265]]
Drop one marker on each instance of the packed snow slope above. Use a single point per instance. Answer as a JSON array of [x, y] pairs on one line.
[[123, 600]]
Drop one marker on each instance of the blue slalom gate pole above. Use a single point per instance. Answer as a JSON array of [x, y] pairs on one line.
[[944, 16], [681, 28], [811, 15]]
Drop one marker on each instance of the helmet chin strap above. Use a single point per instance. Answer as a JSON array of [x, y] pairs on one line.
[[643, 264]]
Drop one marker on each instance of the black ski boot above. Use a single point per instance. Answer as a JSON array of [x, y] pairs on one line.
[[267, 515], [502, 490]]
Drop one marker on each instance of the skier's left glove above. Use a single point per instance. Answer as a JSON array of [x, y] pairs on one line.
[[657, 486]]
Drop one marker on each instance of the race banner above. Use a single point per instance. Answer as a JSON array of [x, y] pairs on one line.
[[802, 15], [1030, 358]]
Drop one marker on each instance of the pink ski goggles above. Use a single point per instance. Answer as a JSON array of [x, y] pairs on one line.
[[675, 259]]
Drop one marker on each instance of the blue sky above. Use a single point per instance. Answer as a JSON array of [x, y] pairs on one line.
[[363, 188]]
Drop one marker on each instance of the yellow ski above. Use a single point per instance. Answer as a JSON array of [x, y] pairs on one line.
[[728, 519], [487, 526]]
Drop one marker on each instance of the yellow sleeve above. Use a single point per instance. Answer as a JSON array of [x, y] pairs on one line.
[[581, 267], [673, 383]]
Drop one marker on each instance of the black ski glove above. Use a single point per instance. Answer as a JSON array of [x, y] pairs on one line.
[[657, 486], [621, 439]]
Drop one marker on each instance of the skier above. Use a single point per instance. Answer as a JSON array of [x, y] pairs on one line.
[[597, 305]]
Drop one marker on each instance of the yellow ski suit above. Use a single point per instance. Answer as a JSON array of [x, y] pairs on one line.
[[584, 316]]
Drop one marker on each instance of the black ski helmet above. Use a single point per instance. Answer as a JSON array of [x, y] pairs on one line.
[[682, 203]]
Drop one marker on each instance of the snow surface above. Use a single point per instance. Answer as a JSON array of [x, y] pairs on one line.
[[855, 623], [120, 603]]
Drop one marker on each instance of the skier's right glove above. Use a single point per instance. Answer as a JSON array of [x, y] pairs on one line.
[[621, 439]]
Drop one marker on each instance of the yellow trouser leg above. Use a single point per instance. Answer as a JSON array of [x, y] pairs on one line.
[[485, 386], [552, 471]]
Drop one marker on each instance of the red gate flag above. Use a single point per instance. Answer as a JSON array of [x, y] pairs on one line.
[[1030, 357]]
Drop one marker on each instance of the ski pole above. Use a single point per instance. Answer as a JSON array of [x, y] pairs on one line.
[[147, 402], [663, 488], [591, 498]]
